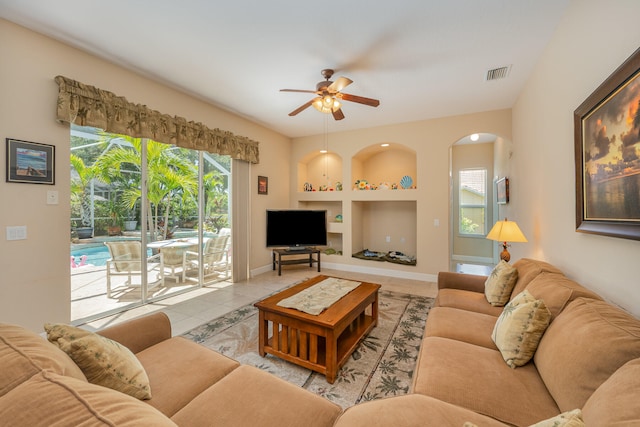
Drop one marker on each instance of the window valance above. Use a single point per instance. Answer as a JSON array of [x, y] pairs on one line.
[[86, 105]]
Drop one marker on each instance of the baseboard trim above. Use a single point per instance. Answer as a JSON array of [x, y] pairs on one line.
[[360, 269]]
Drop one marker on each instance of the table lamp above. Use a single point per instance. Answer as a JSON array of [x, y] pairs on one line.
[[506, 231]]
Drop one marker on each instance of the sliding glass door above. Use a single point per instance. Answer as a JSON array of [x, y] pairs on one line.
[[149, 220]]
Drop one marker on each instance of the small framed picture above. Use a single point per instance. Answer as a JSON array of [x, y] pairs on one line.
[[502, 191], [30, 162], [263, 185]]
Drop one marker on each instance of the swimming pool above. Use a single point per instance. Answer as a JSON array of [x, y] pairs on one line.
[[96, 255]]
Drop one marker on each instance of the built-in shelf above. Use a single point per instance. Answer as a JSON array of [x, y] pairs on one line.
[[381, 219], [385, 166], [320, 171], [335, 227]]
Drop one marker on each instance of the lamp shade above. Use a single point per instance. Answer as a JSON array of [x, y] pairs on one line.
[[506, 231]]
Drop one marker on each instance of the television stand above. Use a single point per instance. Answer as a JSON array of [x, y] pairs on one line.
[[279, 253]]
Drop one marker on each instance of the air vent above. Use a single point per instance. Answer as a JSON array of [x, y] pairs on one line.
[[498, 73]]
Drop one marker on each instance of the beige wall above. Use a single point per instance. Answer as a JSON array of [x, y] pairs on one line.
[[35, 272], [592, 40]]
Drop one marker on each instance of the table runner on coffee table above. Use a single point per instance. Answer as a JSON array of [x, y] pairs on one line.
[[316, 298]]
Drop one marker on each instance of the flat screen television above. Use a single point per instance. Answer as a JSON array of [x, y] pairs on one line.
[[296, 228]]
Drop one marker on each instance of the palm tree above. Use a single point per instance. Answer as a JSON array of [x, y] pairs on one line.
[[168, 176], [80, 188], [214, 192]]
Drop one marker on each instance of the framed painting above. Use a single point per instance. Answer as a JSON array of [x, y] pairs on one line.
[[607, 155], [263, 185], [502, 191], [30, 162]]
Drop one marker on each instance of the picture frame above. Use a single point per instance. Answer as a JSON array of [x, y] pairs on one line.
[[607, 164], [502, 191], [263, 185], [30, 162]]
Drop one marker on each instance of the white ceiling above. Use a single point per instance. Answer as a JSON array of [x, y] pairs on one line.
[[421, 58]]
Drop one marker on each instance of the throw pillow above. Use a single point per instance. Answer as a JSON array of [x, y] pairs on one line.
[[103, 361], [500, 283], [519, 328], [566, 419]]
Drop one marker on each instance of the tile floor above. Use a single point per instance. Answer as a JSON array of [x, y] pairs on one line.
[[188, 310]]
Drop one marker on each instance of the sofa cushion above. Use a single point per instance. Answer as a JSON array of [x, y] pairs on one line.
[[556, 290], [274, 402], [529, 269], [24, 353], [409, 411], [463, 374], [461, 325], [583, 347], [499, 284], [466, 300], [615, 402], [103, 361], [60, 401], [179, 370], [518, 330]]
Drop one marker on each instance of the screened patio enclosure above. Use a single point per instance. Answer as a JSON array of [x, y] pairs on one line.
[[148, 220]]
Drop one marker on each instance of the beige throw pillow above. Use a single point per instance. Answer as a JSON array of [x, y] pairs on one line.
[[566, 419], [519, 328], [500, 283], [103, 361]]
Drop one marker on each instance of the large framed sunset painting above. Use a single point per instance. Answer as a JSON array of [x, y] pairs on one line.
[[607, 152]]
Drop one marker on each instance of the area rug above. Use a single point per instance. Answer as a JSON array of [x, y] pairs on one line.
[[381, 366]]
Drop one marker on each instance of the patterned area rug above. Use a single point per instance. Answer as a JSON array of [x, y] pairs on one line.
[[381, 366]]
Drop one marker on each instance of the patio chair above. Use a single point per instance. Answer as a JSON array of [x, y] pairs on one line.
[[126, 261], [215, 257], [174, 261]]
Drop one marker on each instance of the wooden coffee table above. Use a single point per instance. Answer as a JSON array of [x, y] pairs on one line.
[[321, 342]]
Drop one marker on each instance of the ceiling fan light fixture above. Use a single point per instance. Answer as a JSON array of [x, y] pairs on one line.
[[326, 104]]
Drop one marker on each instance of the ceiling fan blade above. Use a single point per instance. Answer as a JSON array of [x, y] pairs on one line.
[[359, 99], [301, 108], [339, 84], [298, 90], [338, 114]]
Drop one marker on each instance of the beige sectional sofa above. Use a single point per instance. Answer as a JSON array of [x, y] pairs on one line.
[[40, 385], [588, 358]]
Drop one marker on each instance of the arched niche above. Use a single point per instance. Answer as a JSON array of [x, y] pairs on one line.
[[384, 163], [320, 170]]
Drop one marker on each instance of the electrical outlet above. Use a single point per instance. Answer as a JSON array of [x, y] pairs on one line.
[[388, 239]]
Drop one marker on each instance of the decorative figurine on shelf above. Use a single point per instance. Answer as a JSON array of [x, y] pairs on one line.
[[406, 182], [383, 186], [339, 218], [308, 187], [338, 186], [323, 188], [394, 186], [362, 184]]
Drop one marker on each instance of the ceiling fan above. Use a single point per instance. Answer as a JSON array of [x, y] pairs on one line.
[[329, 96]]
